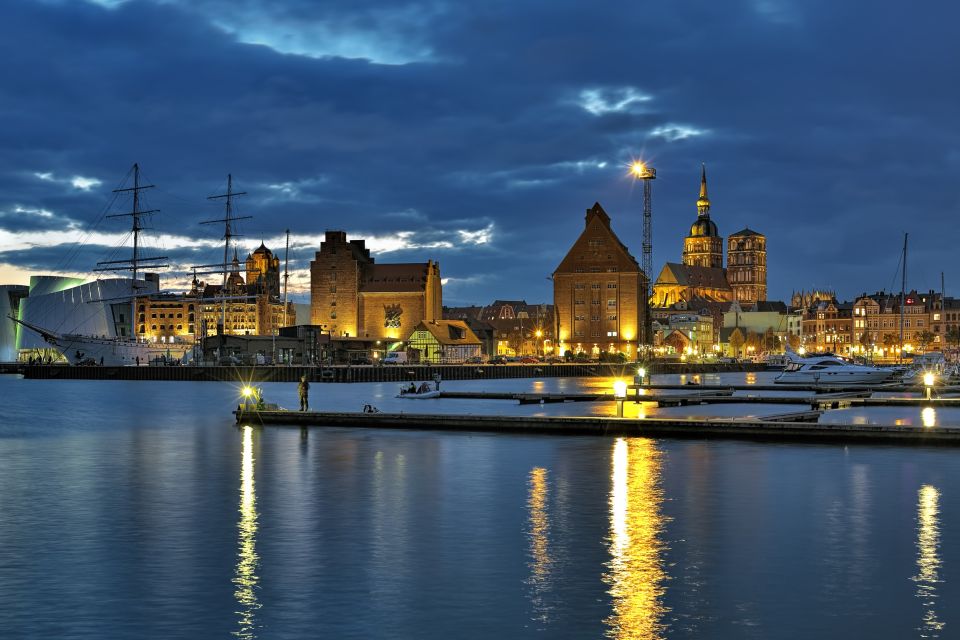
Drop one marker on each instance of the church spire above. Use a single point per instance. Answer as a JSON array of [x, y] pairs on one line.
[[703, 202]]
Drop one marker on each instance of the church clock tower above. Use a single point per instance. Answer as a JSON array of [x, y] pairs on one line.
[[704, 246]]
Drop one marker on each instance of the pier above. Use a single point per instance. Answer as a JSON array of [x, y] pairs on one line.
[[785, 427]]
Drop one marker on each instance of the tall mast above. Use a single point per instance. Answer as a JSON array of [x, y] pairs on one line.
[[903, 293], [286, 276], [227, 219], [133, 263]]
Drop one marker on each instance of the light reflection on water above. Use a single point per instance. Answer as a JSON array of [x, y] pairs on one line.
[[245, 578], [350, 533], [635, 572], [541, 564], [928, 558]]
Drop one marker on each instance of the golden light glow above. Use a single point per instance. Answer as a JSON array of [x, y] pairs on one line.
[[928, 558], [620, 388], [929, 417], [642, 373], [245, 577], [638, 169], [635, 573], [247, 392], [541, 563], [928, 379]]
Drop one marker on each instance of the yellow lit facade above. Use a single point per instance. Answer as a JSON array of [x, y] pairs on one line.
[[598, 292]]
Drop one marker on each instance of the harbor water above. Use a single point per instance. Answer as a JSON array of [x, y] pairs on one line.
[[140, 510]]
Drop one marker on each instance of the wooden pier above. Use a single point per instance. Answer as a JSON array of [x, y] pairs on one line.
[[795, 429]]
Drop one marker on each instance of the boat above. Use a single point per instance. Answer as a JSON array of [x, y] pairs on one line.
[[123, 349], [423, 392], [830, 369]]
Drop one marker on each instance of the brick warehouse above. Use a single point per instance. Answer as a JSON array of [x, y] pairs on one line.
[[598, 292], [352, 296]]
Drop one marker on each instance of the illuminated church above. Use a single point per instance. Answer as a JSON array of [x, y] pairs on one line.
[[701, 276]]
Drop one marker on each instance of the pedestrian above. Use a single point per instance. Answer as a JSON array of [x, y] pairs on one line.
[[436, 380], [304, 389], [101, 361], [138, 361]]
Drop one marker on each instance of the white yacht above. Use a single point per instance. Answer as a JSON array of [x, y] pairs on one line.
[[829, 369]]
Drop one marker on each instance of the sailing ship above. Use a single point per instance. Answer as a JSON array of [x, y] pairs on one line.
[[125, 348]]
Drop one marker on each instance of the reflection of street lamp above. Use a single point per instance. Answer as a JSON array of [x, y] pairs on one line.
[[620, 393]]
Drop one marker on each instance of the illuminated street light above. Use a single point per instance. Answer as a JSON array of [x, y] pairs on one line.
[[620, 393], [928, 380]]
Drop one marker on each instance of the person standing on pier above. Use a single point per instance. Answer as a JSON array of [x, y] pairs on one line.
[[304, 389]]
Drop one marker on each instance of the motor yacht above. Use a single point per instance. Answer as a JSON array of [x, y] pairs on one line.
[[830, 369]]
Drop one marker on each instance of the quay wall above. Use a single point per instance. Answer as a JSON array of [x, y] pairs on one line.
[[387, 373], [739, 428]]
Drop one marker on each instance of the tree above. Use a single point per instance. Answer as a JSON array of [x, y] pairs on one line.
[[794, 341], [891, 340], [736, 342], [924, 338], [770, 341], [953, 335]]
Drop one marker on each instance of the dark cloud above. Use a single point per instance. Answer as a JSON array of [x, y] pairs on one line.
[[828, 127]]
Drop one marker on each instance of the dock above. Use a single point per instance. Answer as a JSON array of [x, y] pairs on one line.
[[784, 427]]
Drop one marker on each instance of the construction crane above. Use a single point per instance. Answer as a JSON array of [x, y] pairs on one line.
[[642, 171]]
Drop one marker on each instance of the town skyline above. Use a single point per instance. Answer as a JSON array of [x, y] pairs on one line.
[[415, 136]]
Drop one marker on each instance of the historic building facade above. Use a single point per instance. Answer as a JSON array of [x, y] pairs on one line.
[[244, 308], [263, 270], [747, 266], [351, 295], [598, 292]]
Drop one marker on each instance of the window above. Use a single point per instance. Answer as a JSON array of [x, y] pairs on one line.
[[578, 302], [579, 285], [611, 317], [611, 285], [595, 285], [611, 334], [611, 303]]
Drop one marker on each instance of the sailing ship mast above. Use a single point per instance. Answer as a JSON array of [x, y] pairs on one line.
[[133, 263], [227, 219], [286, 276], [903, 293]]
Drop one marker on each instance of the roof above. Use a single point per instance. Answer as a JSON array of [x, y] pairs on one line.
[[449, 332], [768, 305], [694, 276], [395, 278], [746, 231]]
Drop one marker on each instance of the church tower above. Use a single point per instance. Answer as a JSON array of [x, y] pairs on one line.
[[704, 246], [747, 265]]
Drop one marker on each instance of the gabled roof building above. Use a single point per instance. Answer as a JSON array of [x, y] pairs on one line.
[[598, 292]]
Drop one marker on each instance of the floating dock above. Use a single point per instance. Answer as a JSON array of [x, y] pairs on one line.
[[739, 428]]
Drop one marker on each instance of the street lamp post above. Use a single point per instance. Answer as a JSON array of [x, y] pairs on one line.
[[620, 393]]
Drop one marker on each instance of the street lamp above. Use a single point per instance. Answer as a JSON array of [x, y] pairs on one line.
[[620, 393], [928, 380], [539, 335]]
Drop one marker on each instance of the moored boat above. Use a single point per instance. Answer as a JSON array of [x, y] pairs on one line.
[[830, 369]]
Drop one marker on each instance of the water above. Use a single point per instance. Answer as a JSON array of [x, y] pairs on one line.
[[133, 510]]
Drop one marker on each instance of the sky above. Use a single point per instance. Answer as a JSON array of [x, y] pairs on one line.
[[477, 134]]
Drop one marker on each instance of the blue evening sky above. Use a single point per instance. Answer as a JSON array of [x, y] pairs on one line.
[[478, 133]]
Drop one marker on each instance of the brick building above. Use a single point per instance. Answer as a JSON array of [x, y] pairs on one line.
[[598, 292], [351, 295]]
